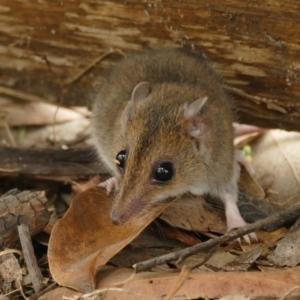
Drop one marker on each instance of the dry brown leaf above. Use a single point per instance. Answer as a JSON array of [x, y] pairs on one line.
[[269, 237], [265, 239], [287, 251], [84, 240], [179, 235], [155, 285], [211, 285], [214, 264], [250, 186], [276, 160], [124, 284], [60, 294], [192, 213], [244, 261]]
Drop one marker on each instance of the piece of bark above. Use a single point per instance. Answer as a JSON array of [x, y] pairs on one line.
[[21, 208], [54, 51], [42, 163]]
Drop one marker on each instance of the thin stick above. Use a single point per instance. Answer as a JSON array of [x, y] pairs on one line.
[[181, 255], [30, 259]]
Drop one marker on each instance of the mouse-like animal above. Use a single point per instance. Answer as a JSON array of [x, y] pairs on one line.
[[163, 127]]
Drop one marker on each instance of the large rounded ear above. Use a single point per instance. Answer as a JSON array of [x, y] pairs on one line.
[[138, 96], [140, 93], [193, 116]]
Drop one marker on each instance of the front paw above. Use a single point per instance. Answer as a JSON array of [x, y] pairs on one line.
[[236, 222], [109, 184]]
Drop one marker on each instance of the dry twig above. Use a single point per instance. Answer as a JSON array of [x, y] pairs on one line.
[[30, 259], [181, 255]]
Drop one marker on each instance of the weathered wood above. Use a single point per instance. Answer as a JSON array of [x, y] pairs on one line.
[[30, 259], [43, 163], [47, 47], [21, 208]]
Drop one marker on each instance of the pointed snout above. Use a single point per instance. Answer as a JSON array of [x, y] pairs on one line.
[[122, 213], [120, 218], [117, 219]]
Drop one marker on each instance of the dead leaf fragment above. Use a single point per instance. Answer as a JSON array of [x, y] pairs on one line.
[[148, 285], [192, 213], [10, 272], [60, 294], [85, 239], [287, 251], [249, 185], [124, 284], [244, 261], [276, 160], [214, 264]]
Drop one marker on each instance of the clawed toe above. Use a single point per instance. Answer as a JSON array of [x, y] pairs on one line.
[[248, 237], [109, 184]]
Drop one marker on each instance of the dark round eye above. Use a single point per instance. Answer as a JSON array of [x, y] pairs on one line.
[[164, 172], [121, 159]]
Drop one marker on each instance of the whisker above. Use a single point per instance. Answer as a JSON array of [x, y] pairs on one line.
[[160, 229]]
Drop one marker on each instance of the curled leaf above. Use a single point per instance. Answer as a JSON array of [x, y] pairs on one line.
[[85, 239]]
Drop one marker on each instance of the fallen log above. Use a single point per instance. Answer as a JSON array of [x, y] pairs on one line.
[[54, 51]]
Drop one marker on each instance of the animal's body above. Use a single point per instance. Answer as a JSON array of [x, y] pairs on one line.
[[163, 127]]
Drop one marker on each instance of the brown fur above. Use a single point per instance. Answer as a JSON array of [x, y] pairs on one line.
[[159, 132]]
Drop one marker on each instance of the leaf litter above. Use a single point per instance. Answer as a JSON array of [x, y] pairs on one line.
[[84, 247]]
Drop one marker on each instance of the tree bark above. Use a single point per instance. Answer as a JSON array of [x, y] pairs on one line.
[[53, 50], [49, 163], [21, 208]]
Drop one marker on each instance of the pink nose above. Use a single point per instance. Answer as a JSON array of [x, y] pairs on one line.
[[122, 216], [116, 219]]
